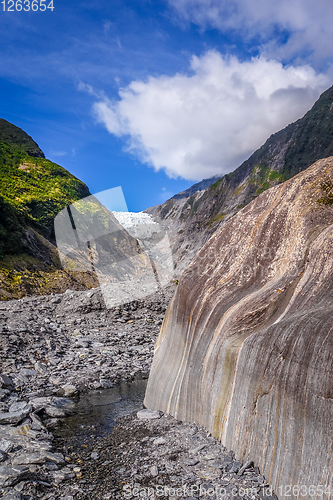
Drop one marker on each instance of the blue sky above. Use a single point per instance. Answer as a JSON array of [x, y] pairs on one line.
[[156, 95]]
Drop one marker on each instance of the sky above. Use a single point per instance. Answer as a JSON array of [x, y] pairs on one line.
[[155, 95]]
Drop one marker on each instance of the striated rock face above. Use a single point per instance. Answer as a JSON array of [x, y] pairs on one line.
[[246, 346], [195, 214]]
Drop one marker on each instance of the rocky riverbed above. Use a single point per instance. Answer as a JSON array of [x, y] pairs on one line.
[[52, 348]]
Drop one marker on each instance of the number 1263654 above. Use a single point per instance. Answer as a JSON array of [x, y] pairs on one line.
[[26, 5]]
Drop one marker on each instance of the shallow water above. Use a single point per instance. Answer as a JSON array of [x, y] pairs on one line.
[[96, 412]]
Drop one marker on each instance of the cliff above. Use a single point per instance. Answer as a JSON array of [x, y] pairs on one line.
[[194, 215], [246, 346]]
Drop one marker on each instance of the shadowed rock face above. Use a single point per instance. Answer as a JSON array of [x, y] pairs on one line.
[[246, 346]]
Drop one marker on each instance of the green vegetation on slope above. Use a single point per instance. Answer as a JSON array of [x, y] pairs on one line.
[[15, 142], [38, 190], [33, 191]]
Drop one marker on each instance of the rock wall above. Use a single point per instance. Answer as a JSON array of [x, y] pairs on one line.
[[246, 346]]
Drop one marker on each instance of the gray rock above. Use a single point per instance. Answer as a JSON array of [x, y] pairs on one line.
[[154, 471], [13, 495], [149, 414], [68, 390], [26, 372], [9, 476], [196, 450], [6, 446], [3, 394], [29, 458], [62, 475], [234, 467], [5, 382], [36, 423], [15, 417], [20, 406], [159, 440], [94, 455], [40, 367], [191, 462], [247, 465], [53, 411], [57, 458], [3, 456]]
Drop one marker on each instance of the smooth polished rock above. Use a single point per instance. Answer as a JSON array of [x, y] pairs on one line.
[[246, 345]]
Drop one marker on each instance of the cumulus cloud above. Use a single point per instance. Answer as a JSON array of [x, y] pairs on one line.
[[207, 122], [306, 24]]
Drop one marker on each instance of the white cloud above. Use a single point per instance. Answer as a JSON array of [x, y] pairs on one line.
[[206, 123], [307, 22]]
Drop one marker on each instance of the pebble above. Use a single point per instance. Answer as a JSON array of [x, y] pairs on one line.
[[154, 471], [159, 440]]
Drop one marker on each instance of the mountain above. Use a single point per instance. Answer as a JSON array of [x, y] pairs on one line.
[[246, 345], [15, 142], [33, 190], [194, 215]]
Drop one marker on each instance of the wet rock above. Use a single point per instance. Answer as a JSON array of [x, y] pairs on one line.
[[53, 411]]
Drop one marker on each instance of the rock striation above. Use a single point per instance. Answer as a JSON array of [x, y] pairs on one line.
[[246, 345]]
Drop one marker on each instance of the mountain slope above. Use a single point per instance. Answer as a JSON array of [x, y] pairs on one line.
[[33, 190], [14, 141], [193, 218]]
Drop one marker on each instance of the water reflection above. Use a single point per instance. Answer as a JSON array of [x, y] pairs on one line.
[[95, 413]]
